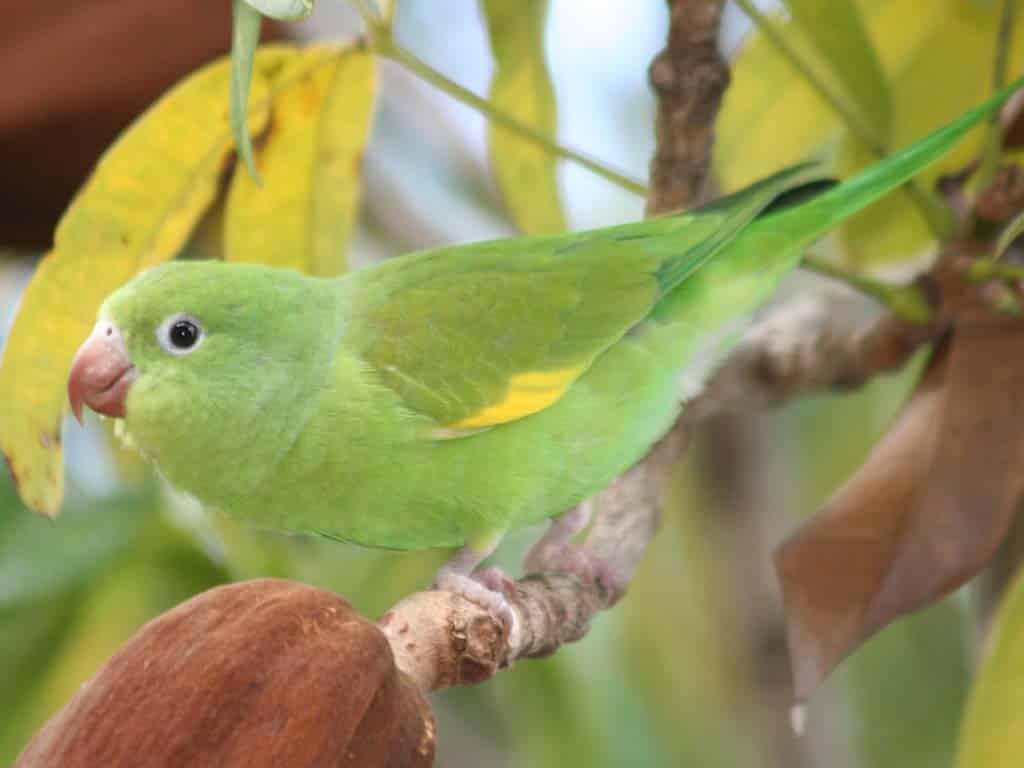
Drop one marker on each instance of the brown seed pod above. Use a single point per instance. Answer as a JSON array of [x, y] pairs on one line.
[[261, 673]]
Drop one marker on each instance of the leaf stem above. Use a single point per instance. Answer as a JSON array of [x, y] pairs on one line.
[[1010, 233], [245, 37], [383, 43], [371, 16], [981, 271], [904, 301], [863, 131], [938, 217], [994, 138], [1003, 41]]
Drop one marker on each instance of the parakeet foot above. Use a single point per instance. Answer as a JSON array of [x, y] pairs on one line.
[[471, 588], [555, 552], [487, 588]]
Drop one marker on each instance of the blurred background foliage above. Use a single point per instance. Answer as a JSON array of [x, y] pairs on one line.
[[668, 677]]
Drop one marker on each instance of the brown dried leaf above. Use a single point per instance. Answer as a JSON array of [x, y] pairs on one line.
[[834, 565], [262, 673], [975, 478], [926, 511]]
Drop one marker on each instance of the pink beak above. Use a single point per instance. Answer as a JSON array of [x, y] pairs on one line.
[[101, 373]]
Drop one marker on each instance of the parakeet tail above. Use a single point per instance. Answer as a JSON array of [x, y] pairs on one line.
[[807, 222]]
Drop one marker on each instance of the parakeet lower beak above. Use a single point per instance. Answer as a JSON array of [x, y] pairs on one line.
[[101, 373]]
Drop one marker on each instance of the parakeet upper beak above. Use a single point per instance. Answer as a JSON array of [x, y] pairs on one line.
[[101, 373]]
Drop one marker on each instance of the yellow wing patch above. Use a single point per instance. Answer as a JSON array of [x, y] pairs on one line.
[[527, 393]]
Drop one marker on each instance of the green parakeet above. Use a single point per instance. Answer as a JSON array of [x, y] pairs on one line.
[[440, 398]]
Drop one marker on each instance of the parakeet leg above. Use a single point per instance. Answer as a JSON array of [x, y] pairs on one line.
[[555, 552], [483, 588]]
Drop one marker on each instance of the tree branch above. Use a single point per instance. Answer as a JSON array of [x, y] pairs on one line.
[[812, 343], [818, 341], [689, 77], [440, 639]]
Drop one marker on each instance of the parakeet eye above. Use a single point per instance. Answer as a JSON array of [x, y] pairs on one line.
[[179, 334]]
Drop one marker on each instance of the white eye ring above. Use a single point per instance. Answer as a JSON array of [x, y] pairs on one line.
[[180, 334]]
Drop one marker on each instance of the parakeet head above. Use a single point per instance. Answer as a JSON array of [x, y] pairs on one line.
[[204, 355]]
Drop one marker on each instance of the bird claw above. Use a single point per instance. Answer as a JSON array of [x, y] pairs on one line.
[[486, 588]]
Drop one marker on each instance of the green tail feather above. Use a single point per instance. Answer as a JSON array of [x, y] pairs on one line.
[[732, 214], [807, 222]]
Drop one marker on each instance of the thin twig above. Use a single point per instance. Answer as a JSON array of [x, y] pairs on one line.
[[383, 43]]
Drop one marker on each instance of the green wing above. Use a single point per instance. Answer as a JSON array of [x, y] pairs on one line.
[[505, 335], [484, 334]]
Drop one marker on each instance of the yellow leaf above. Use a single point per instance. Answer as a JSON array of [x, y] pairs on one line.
[[928, 90], [771, 117], [303, 214], [992, 729], [138, 209], [525, 173], [837, 31]]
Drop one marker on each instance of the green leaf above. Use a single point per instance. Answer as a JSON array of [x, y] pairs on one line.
[[46, 570], [992, 729], [521, 87], [303, 215], [285, 10], [31, 637], [245, 36], [40, 559], [138, 209], [837, 32]]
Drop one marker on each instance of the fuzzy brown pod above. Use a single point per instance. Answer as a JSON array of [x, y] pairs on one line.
[[927, 510], [261, 673]]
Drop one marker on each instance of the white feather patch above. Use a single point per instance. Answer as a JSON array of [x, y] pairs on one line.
[[712, 350]]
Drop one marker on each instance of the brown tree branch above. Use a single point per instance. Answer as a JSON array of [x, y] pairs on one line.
[[818, 341], [689, 77], [440, 639], [832, 340]]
